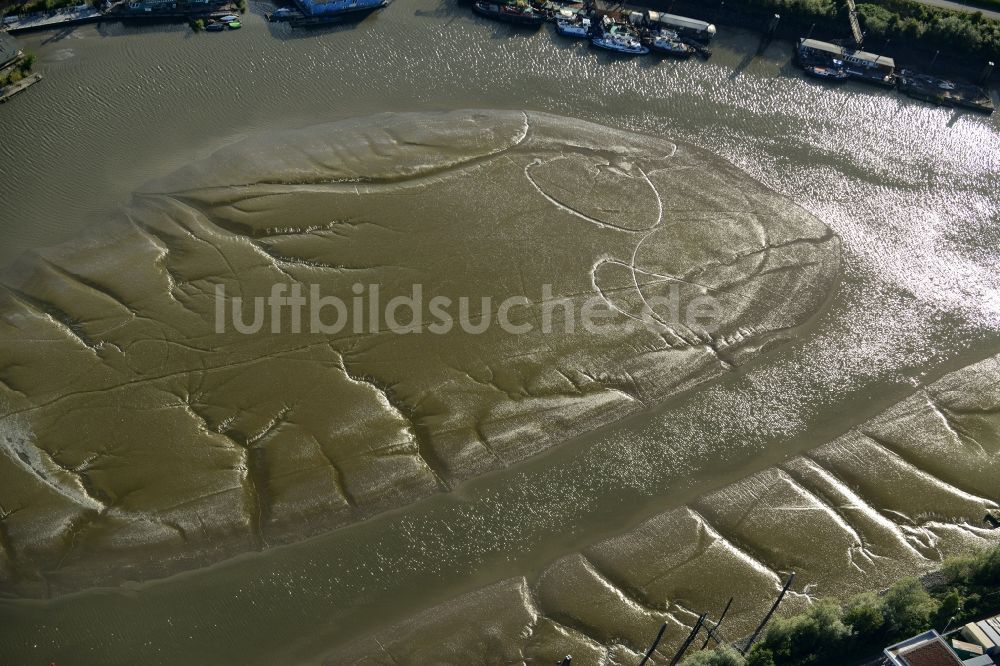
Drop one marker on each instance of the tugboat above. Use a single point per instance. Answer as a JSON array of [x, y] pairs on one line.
[[833, 74], [619, 39], [522, 15], [668, 42], [575, 27]]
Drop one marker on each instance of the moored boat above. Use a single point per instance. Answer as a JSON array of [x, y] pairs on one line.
[[575, 27], [513, 13], [234, 25], [669, 43], [215, 27], [624, 44], [826, 73]]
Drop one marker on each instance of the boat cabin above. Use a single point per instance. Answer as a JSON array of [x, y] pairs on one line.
[[682, 25]]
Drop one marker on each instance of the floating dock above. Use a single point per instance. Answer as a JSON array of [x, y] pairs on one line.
[[20, 86]]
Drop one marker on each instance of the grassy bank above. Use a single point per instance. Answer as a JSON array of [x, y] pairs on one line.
[[831, 632]]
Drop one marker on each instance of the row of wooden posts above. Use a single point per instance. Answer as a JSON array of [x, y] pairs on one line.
[[712, 633]]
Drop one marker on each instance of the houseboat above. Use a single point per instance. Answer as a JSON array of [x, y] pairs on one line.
[[860, 65]]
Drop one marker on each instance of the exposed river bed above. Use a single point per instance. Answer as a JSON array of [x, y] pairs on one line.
[[492, 497]]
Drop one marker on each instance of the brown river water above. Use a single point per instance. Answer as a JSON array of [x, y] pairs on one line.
[[176, 494]]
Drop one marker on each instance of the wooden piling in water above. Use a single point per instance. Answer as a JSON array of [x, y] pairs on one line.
[[690, 639], [652, 648], [718, 623], [763, 623]]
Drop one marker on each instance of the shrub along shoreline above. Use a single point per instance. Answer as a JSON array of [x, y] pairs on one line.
[[18, 71], [832, 633]]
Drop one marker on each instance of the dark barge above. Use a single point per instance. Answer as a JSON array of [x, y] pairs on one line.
[[943, 92], [508, 12]]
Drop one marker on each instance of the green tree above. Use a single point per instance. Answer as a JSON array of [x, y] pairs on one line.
[[817, 630], [760, 656], [949, 610], [907, 608], [721, 656], [865, 617]]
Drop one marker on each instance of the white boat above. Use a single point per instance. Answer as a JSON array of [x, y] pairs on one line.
[[575, 27], [619, 43], [668, 42]]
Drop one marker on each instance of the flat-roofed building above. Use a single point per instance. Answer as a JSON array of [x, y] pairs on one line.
[[927, 649], [972, 633]]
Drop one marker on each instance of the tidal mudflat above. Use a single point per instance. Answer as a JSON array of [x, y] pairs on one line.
[[904, 292], [890, 498], [141, 430]]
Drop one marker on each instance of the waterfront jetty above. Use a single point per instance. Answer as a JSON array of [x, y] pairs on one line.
[[62, 18], [134, 10], [173, 10], [9, 91]]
